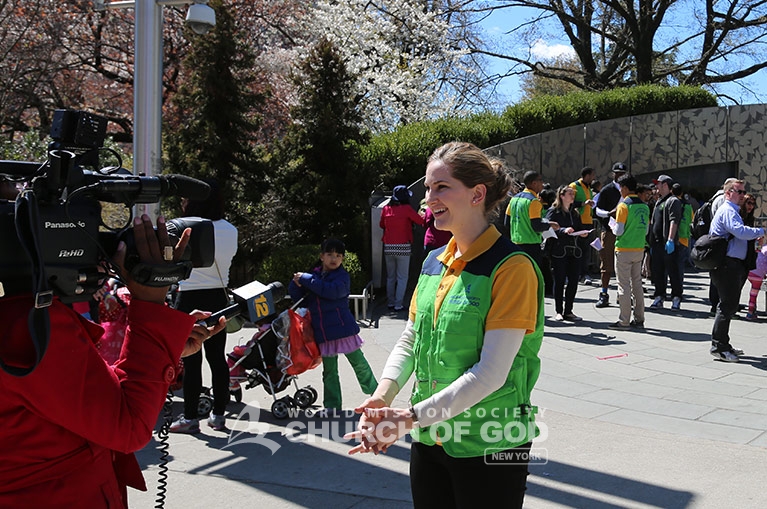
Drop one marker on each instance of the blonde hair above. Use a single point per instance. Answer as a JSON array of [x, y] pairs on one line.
[[468, 164], [730, 183]]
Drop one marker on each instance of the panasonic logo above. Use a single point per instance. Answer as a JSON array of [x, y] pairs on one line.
[[49, 224]]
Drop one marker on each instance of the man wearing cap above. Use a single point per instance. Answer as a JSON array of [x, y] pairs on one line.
[[730, 277], [584, 201], [664, 240], [609, 198], [523, 216]]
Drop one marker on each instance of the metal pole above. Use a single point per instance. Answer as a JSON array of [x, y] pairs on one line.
[[147, 99]]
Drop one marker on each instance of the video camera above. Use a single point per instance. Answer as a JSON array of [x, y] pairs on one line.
[[54, 239]]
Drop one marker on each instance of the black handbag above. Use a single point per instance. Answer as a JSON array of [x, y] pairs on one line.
[[709, 252]]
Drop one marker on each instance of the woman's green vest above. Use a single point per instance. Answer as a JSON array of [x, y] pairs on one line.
[[445, 350]]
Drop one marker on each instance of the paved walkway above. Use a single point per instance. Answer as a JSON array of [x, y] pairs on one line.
[[632, 419]]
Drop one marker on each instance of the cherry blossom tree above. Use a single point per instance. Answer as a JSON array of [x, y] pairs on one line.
[[407, 55]]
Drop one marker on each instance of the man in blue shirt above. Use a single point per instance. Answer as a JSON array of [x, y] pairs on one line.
[[730, 277]]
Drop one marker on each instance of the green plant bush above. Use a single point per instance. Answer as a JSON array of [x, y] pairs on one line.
[[400, 156], [283, 262]]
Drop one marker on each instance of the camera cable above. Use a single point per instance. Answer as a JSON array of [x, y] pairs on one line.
[[162, 436]]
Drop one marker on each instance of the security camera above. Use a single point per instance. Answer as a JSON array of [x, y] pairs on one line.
[[200, 18]]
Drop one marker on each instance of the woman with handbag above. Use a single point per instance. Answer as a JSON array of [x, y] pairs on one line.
[[325, 290], [206, 289]]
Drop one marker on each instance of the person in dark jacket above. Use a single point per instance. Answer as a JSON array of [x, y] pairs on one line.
[[325, 290], [565, 252]]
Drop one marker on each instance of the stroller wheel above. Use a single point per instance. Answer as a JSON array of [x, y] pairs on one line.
[[236, 394], [314, 392], [304, 398], [280, 409], [204, 406]]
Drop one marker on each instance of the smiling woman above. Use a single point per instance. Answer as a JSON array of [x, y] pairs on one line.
[[474, 329]]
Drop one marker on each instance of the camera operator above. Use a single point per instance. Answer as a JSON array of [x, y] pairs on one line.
[[71, 425]]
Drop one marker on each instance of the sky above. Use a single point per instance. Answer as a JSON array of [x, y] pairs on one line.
[[550, 45]]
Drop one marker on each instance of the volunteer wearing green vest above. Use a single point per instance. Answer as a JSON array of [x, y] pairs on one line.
[[584, 203], [472, 339], [632, 221], [524, 219], [684, 230]]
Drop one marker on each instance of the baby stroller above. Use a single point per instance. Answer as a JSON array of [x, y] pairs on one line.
[[267, 359]]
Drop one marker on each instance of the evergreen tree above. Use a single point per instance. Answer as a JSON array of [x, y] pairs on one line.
[[214, 117], [321, 185]]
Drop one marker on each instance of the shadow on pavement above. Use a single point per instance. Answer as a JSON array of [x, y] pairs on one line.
[[277, 456], [551, 481]]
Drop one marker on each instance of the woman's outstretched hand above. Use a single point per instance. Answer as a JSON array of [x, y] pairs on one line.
[[380, 426]]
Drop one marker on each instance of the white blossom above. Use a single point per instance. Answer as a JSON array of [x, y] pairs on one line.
[[398, 50]]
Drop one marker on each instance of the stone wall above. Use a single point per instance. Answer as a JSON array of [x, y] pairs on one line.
[[700, 147]]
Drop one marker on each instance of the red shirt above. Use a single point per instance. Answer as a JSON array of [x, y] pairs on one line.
[[70, 426], [397, 222], [433, 237]]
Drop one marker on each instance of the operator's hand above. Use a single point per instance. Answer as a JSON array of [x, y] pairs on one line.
[[554, 225], [670, 246], [297, 278], [201, 332], [150, 245]]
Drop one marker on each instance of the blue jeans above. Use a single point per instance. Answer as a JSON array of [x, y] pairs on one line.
[[397, 268]]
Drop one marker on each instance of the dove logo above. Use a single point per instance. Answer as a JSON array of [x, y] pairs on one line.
[[255, 431]]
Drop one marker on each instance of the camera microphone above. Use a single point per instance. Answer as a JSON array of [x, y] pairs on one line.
[[253, 301], [133, 189]]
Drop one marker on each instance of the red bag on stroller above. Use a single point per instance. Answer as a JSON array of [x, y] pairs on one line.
[[304, 352]]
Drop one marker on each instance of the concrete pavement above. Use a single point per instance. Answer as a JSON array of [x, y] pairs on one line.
[[632, 419]]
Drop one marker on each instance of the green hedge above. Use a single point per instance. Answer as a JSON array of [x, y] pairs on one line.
[[400, 156], [283, 262]]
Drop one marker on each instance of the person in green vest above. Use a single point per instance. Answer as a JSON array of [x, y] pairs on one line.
[[472, 338], [584, 203], [684, 230], [632, 221], [525, 219]]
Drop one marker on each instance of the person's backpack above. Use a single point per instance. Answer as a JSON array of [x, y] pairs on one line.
[[709, 252], [701, 222]]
